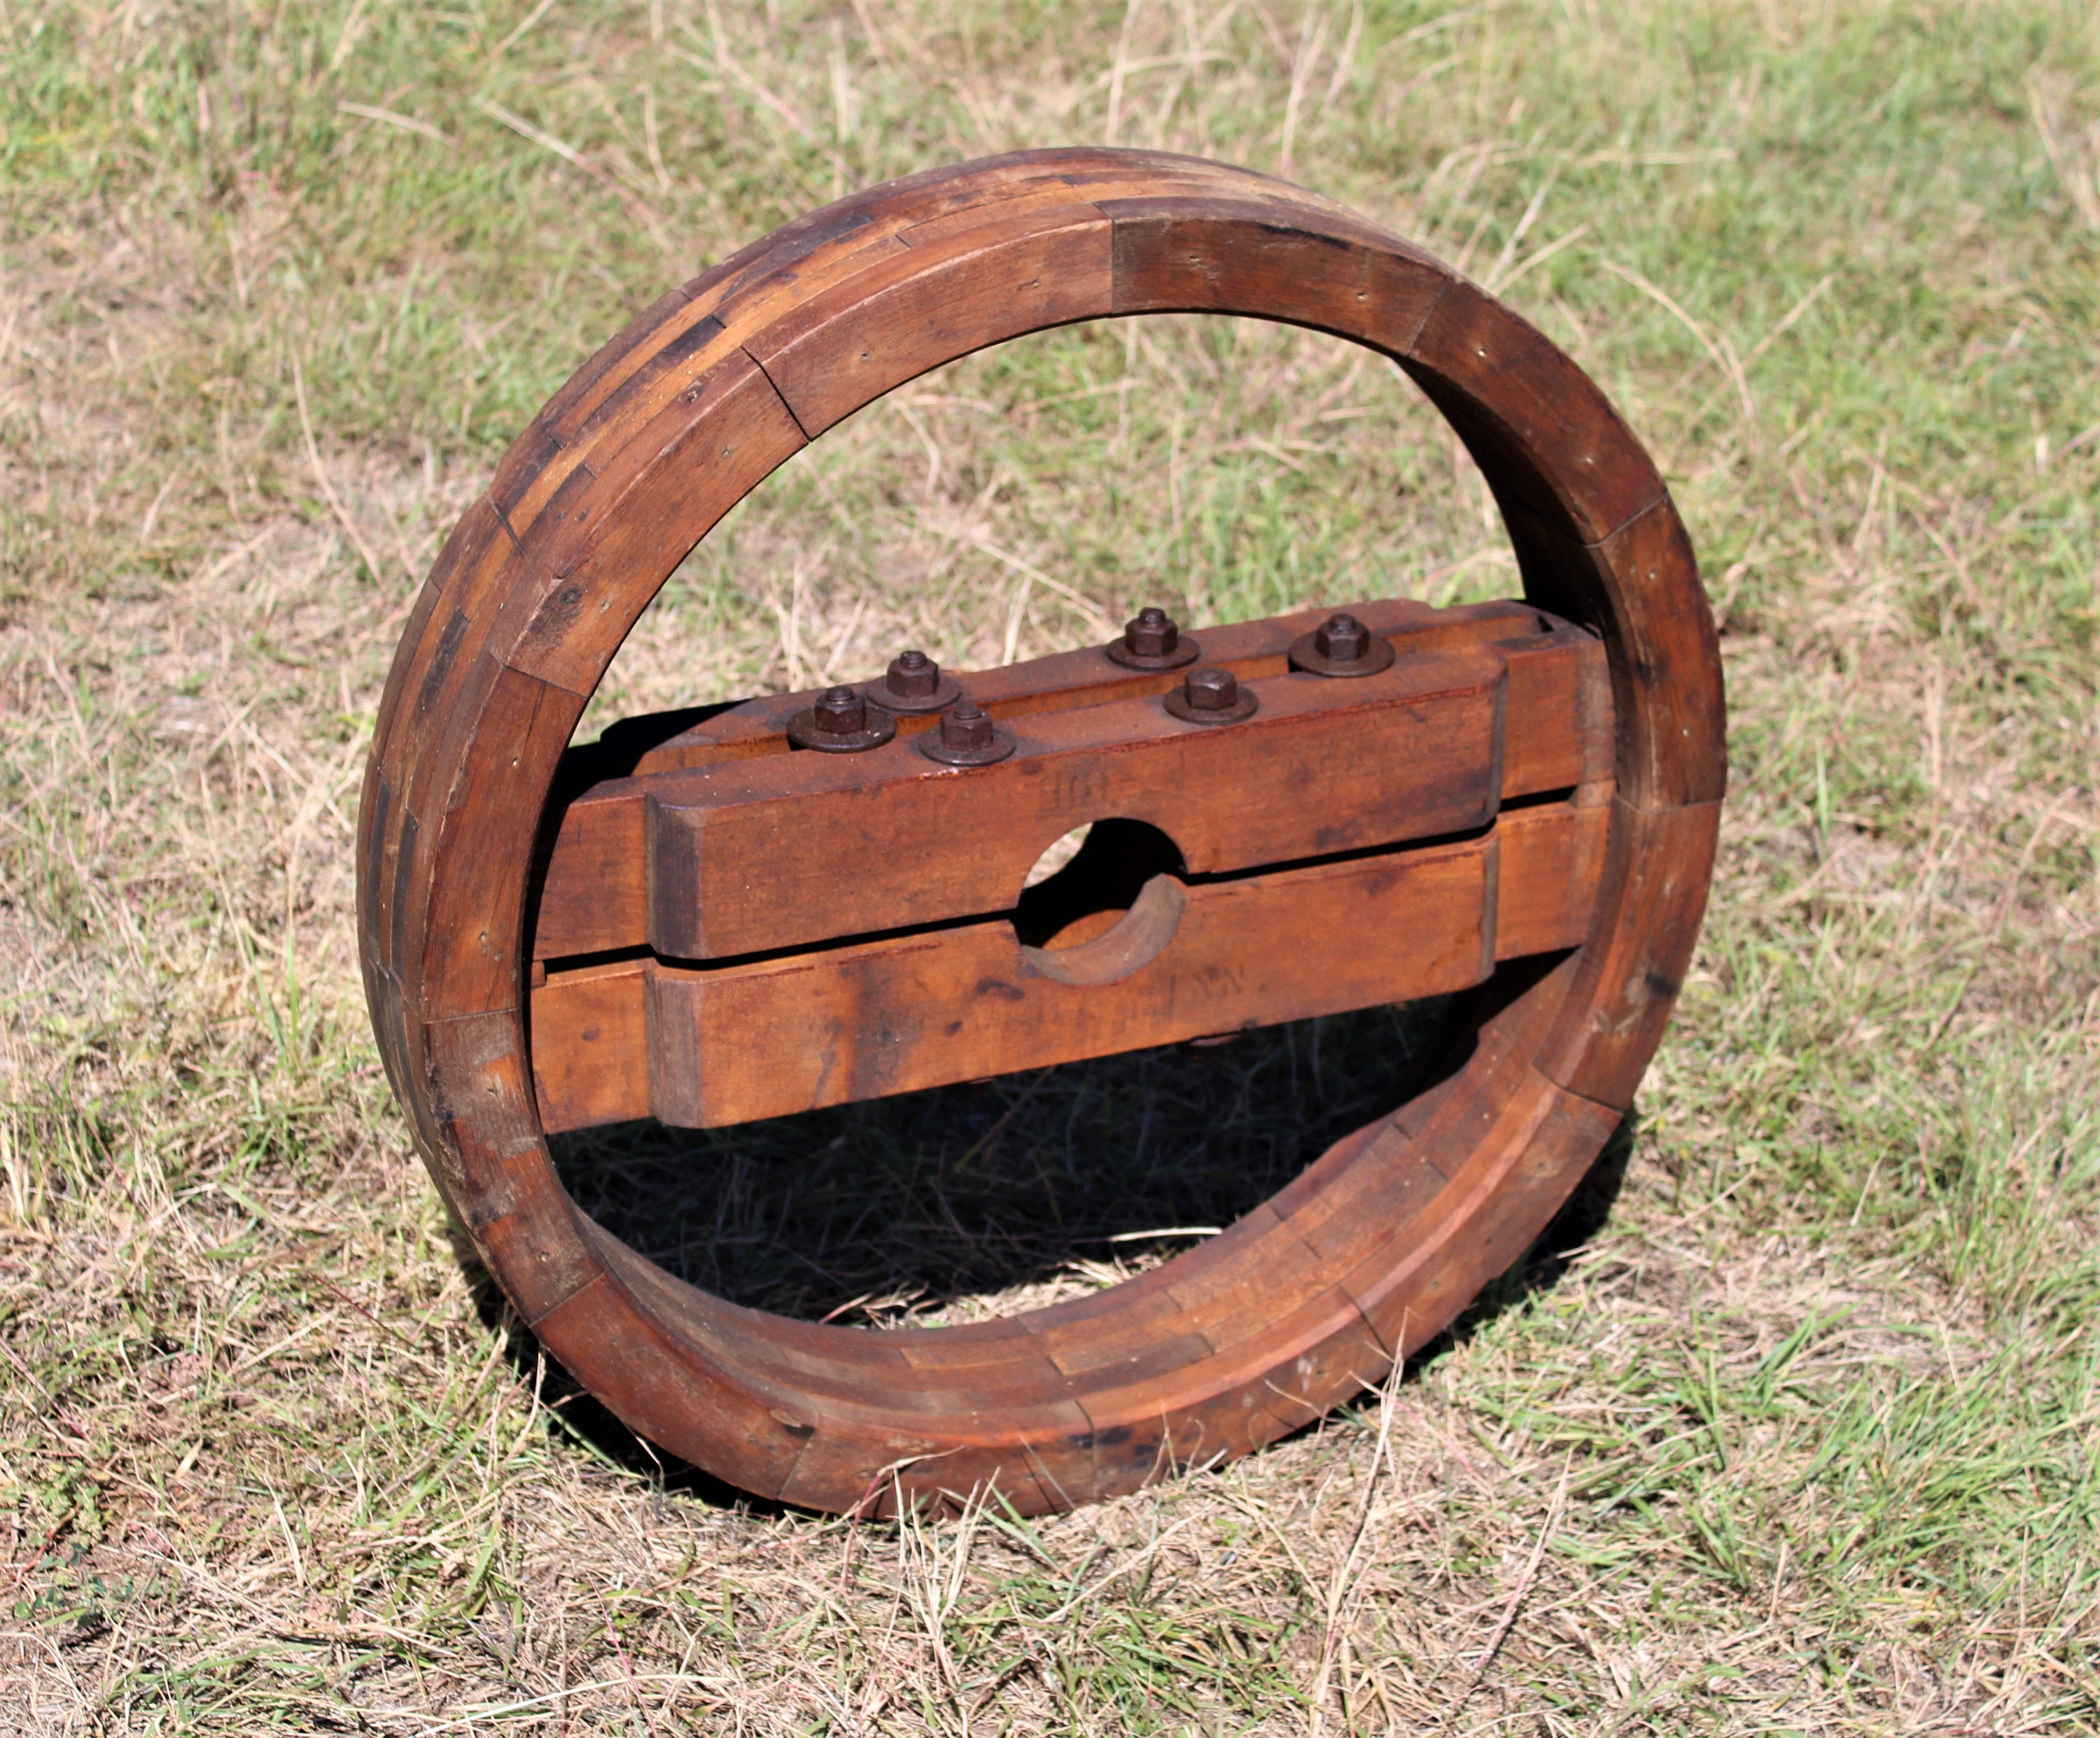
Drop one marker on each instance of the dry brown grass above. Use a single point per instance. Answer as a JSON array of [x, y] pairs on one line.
[[1803, 1438]]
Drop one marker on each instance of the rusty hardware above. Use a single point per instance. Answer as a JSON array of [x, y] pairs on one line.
[[914, 683], [966, 737], [1341, 646], [844, 720], [1211, 697], [1153, 640], [1513, 804]]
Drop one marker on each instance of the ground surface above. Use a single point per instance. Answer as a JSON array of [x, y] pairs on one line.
[[1805, 1436]]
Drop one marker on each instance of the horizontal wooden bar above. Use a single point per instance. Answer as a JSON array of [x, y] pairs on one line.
[[708, 1046], [767, 855], [750, 849], [1083, 676]]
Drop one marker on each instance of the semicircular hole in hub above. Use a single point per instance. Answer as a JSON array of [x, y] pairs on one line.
[[1059, 852], [1097, 887]]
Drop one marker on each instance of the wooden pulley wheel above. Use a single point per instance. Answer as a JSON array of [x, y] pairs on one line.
[[1294, 817]]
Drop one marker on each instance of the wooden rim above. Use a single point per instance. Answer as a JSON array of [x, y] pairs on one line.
[[1380, 1243]]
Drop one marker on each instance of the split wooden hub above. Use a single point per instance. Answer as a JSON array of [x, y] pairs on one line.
[[812, 899], [737, 931]]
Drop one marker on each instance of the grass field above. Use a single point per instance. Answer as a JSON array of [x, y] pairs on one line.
[[1804, 1437]]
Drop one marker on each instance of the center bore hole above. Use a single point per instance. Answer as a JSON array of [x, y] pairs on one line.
[[1096, 884]]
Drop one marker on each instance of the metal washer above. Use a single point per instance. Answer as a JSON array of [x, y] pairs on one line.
[[802, 731], [1306, 655], [946, 692], [1186, 651], [1245, 707], [1000, 746]]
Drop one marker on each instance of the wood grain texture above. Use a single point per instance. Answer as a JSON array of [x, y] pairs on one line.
[[766, 854], [739, 853], [703, 1047], [1658, 865], [1381, 1241]]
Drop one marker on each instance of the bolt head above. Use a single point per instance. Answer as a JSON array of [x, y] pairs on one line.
[[966, 726], [1153, 634], [912, 675], [840, 712], [1343, 638], [1211, 690]]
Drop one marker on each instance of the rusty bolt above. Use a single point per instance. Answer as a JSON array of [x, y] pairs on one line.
[[1153, 634], [1342, 637], [912, 675], [967, 727], [1341, 646], [840, 712], [1211, 696], [966, 737], [843, 721], [1152, 640]]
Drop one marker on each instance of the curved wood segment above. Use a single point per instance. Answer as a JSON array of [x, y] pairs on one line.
[[1385, 1237]]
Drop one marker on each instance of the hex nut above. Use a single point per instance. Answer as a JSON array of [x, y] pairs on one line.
[[1341, 638], [843, 721], [1211, 696], [1153, 640], [966, 736], [842, 713], [1341, 646], [914, 683]]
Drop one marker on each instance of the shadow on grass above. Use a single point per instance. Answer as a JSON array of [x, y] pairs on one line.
[[895, 1210]]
